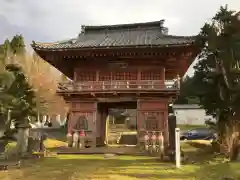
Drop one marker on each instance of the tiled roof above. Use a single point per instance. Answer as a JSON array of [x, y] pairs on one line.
[[123, 35]]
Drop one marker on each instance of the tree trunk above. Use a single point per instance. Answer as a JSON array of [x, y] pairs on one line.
[[232, 138], [22, 141], [220, 129], [234, 149]]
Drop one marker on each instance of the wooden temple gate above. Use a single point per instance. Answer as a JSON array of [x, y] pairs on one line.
[[120, 64]]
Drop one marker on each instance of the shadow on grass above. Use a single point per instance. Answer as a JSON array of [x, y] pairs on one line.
[[219, 171], [198, 152], [90, 167], [63, 167], [210, 166]]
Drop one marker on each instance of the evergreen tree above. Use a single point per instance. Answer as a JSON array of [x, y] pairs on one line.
[[23, 103], [6, 79], [186, 96], [22, 100], [216, 79]]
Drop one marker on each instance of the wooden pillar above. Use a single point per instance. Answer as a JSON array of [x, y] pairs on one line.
[[97, 75], [102, 111], [75, 75], [103, 116], [163, 74], [139, 74]]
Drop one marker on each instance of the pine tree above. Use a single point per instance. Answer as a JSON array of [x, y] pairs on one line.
[[23, 103], [216, 80]]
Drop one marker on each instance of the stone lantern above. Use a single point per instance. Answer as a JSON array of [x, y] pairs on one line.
[[22, 138]]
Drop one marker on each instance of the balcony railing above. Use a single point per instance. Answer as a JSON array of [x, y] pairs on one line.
[[147, 85]]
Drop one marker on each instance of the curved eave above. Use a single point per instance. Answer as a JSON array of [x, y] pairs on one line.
[[40, 47]]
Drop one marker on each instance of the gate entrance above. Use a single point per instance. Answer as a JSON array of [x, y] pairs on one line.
[[120, 65], [117, 123]]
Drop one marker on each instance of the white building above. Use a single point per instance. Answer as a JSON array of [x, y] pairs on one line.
[[191, 114]]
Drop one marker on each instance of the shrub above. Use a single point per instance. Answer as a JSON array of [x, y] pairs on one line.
[[11, 150]]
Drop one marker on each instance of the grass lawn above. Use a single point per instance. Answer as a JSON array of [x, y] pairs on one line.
[[91, 167]]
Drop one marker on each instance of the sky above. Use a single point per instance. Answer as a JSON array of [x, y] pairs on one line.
[[53, 20], [56, 20]]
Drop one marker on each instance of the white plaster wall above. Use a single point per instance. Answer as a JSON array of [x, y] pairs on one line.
[[191, 116]]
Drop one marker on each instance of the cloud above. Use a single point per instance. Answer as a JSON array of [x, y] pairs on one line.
[[61, 19], [8, 30]]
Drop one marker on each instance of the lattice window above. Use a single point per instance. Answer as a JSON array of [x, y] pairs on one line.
[[82, 120], [86, 76], [151, 120], [82, 123], [118, 76], [131, 75], [151, 75], [104, 76]]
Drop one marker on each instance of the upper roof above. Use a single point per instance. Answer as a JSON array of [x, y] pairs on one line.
[[121, 35]]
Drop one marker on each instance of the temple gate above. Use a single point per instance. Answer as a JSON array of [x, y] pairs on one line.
[[122, 65]]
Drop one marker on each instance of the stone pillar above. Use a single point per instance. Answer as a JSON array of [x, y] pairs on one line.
[[154, 141], [82, 138], [22, 138], [161, 145], [58, 119], [146, 141], [70, 139], [44, 119], [75, 139]]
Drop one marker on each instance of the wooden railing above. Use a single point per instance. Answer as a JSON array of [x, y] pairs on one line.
[[119, 85]]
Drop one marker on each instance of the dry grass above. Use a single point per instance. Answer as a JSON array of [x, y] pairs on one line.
[[53, 143], [84, 167]]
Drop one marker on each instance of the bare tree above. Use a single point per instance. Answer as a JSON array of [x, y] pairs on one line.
[[44, 80]]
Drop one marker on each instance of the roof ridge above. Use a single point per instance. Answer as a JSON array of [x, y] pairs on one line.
[[175, 36], [86, 28]]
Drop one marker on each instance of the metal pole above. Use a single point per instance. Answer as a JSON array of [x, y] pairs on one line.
[[8, 122], [177, 146]]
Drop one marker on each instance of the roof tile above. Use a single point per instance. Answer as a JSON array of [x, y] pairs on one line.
[[139, 34]]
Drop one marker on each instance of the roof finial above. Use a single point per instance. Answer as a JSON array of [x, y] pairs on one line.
[[83, 29], [165, 30]]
